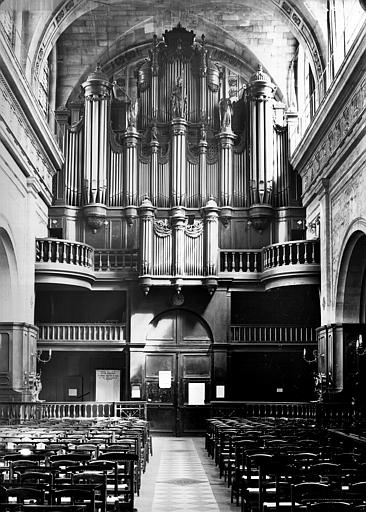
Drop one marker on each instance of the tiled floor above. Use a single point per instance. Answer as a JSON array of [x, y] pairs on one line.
[[181, 477]]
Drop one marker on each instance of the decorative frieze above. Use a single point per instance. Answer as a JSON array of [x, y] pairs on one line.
[[21, 136], [336, 136]]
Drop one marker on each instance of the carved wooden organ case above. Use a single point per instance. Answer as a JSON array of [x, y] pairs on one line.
[[175, 153]]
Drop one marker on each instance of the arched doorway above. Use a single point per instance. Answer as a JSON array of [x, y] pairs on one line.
[[350, 316], [8, 278], [177, 377], [351, 289]]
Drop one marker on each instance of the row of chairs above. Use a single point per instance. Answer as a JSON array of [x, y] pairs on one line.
[[276, 464], [86, 467]]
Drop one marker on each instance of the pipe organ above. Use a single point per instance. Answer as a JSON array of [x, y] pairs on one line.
[[177, 150]]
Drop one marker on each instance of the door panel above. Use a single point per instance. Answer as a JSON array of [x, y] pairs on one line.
[[188, 359]]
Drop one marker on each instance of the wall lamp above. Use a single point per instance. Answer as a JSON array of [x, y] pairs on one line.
[[47, 358], [360, 348], [313, 359]]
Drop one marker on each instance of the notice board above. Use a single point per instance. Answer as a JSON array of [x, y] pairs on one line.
[[107, 385]]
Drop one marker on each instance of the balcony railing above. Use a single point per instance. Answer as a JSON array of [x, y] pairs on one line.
[[241, 261], [272, 334], [54, 250], [18, 412], [300, 252], [106, 260], [82, 332]]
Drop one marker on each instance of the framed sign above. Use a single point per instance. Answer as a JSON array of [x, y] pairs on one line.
[[107, 385]]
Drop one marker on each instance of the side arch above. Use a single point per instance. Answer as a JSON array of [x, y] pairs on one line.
[[351, 281], [8, 277]]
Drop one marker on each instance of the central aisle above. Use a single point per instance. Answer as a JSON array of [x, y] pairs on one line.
[[181, 477]]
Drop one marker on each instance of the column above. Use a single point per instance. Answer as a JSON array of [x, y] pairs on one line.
[[62, 118], [97, 94], [178, 219], [131, 166], [146, 214], [154, 182], [226, 167], [203, 80], [211, 244], [178, 185], [203, 164], [261, 92]]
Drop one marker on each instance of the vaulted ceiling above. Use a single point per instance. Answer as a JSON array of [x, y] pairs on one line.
[[83, 33]]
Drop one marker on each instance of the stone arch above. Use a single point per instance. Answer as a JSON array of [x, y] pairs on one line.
[[8, 277], [351, 283], [179, 326]]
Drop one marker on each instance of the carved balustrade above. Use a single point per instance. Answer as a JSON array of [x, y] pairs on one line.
[[115, 260], [82, 332], [53, 250], [272, 334], [300, 252], [18, 412], [249, 260]]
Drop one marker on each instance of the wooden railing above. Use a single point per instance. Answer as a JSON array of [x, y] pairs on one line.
[[54, 250], [320, 413], [14, 412], [241, 261], [300, 252], [82, 332], [106, 260], [272, 333]]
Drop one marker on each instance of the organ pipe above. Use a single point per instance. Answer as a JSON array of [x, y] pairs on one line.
[[211, 244], [146, 214], [178, 218], [178, 162], [261, 92], [131, 140], [226, 167], [203, 164], [97, 92]]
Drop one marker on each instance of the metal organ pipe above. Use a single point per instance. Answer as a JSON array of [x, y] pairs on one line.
[[97, 94], [226, 168], [261, 92], [211, 243], [131, 167], [178, 223], [178, 189], [146, 214]]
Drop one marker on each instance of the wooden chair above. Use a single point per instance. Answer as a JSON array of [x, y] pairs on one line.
[[126, 476], [305, 492], [75, 496], [21, 495], [330, 506]]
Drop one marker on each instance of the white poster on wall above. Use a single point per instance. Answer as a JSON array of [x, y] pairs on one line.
[[107, 385], [196, 393], [165, 379]]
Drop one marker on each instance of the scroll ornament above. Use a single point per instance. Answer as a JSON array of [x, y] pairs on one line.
[[162, 228]]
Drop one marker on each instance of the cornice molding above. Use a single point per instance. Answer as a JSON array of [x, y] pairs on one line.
[[349, 78], [20, 100]]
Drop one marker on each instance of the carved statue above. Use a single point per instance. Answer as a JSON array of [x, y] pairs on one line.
[[154, 132], [178, 102], [37, 388], [132, 112], [226, 111]]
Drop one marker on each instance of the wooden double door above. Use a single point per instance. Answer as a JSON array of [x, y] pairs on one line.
[[177, 373]]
